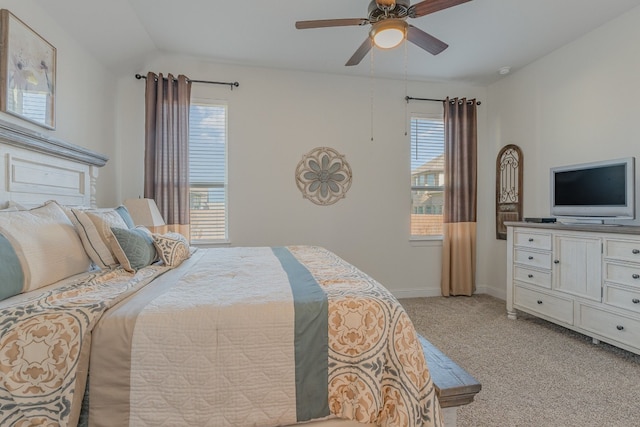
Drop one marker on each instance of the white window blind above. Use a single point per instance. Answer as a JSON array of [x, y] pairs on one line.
[[427, 176], [208, 172], [34, 106]]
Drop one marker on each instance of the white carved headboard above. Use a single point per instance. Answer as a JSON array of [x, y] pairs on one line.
[[35, 168]]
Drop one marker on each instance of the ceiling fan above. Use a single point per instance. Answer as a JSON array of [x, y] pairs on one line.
[[389, 27]]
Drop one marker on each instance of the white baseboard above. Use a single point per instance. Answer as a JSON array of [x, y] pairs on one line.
[[488, 290], [426, 293], [433, 292]]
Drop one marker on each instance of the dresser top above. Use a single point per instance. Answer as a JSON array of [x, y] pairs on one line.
[[594, 228]]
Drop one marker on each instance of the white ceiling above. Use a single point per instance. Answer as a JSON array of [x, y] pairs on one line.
[[483, 35]]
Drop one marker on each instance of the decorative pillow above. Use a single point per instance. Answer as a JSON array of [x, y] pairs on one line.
[[173, 248], [109, 216], [133, 248], [126, 216], [104, 221], [10, 270], [98, 249], [39, 247]]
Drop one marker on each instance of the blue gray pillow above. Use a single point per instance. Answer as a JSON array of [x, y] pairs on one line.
[[126, 216], [134, 248], [11, 274]]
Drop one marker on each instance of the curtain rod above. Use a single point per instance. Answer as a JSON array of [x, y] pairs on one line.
[[409, 98], [230, 84]]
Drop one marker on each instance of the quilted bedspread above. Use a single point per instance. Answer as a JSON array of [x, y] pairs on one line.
[[234, 336], [44, 346]]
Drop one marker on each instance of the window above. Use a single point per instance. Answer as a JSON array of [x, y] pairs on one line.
[[427, 176], [34, 106], [208, 172]]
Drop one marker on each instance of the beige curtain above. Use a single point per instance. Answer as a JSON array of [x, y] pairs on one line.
[[166, 159], [460, 201]]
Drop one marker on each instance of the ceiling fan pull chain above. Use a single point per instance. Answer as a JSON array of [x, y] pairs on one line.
[[372, 90], [406, 104]]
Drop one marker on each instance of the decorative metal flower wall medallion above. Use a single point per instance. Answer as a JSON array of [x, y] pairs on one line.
[[323, 176]]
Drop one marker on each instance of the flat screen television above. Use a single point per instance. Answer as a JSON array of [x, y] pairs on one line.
[[598, 190]]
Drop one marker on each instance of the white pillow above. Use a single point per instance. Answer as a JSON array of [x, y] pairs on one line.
[[45, 243]]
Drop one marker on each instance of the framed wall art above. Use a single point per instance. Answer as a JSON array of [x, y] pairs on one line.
[[27, 72], [323, 176]]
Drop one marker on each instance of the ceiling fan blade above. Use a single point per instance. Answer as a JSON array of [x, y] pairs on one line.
[[360, 53], [425, 41], [426, 7], [322, 23]]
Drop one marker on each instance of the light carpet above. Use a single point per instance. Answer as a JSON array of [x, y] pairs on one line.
[[533, 373]]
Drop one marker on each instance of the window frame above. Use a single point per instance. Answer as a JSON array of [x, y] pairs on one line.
[[416, 239], [214, 102]]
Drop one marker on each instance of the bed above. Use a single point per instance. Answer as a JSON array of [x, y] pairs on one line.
[[261, 336]]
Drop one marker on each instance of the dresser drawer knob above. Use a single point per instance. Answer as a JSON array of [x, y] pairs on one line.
[[531, 240], [635, 301], [635, 251], [530, 257], [539, 301], [530, 276], [556, 261], [636, 276], [620, 327]]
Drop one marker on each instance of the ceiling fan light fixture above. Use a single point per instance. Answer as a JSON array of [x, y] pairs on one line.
[[389, 33]]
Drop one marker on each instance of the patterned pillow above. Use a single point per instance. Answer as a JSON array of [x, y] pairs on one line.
[[173, 248], [133, 247], [38, 247]]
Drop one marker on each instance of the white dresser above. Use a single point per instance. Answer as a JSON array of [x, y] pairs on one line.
[[583, 277]]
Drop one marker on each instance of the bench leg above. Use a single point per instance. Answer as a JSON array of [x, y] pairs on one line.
[[450, 416]]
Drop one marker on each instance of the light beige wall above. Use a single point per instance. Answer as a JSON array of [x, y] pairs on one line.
[[578, 104], [275, 117], [84, 104]]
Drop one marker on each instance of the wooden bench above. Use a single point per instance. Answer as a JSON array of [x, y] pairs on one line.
[[454, 386]]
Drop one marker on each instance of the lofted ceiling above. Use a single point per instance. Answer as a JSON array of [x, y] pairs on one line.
[[483, 35]]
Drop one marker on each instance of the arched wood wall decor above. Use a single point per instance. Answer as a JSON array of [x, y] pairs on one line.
[[323, 176], [509, 169]]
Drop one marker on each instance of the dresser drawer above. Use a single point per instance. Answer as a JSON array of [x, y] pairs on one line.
[[615, 326], [623, 274], [623, 250], [532, 259], [548, 305], [534, 277], [628, 299], [532, 240]]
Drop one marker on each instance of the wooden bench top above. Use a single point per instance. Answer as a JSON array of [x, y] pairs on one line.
[[454, 385]]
